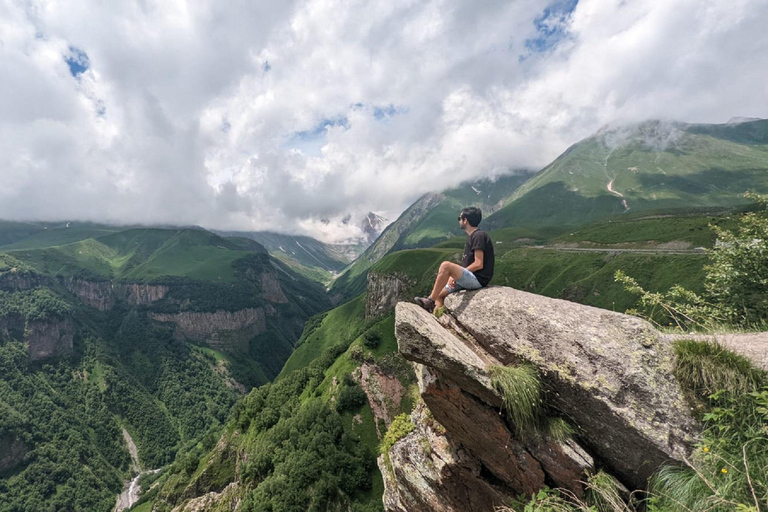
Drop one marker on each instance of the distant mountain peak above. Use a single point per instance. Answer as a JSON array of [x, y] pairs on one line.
[[372, 225]]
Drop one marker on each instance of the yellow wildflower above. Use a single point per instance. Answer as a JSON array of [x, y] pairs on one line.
[[706, 449], [723, 471]]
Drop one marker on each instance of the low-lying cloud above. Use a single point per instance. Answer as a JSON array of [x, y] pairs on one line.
[[283, 115]]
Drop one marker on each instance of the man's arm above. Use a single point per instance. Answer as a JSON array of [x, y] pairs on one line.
[[478, 263]]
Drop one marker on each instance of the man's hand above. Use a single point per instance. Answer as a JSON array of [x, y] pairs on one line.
[[451, 282]]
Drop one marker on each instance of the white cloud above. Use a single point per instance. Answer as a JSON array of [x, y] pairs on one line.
[[272, 115]]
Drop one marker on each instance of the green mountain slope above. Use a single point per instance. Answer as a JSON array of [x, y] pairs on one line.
[[38, 235], [652, 165], [305, 255]]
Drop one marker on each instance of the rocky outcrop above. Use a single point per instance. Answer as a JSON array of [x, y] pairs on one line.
[[384, 392], [141, 294], [12, 326], [96, 294], [103, 294], [49, 337], [12, 452], [222, 330], [609, 374], [427, 471], [271, 290], [384, 291], [228, 499], [45, 337], [15, 280]]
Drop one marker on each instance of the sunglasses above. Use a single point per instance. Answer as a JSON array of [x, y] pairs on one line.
[[461, 218]]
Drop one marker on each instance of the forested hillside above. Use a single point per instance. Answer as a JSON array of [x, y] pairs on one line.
[[153, 332]]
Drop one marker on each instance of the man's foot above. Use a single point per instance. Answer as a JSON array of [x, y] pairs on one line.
[[425, 302]]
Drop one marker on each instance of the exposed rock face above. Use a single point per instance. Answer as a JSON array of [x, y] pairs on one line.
[[102, 295], [140, 294], [15, 281], [49, 337], [96, 294], [222, 330], [431, 472], [12, 326], [457, 389], [271, 290], [228, 499], [384, 393], [384, 291], [610, 374], [44, 338], [12, 452]]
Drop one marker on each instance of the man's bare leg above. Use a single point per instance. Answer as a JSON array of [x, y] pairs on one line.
[[446, 271]]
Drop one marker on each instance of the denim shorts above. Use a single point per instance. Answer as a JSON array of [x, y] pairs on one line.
[[467, 281]]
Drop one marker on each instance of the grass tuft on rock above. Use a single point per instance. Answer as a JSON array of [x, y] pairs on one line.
[[705, 368], [604, 493], [520, 388], [559, 430]]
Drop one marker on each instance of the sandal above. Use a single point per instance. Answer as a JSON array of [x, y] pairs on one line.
[[425, 302]]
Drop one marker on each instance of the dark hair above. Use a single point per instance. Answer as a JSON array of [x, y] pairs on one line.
[[473, 215]]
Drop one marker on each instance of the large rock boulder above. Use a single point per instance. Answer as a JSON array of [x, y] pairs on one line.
[[609, 373]]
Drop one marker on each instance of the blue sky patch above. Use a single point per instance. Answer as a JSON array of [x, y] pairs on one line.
[[311, 141], [551, 26], [78, 61], [382, 113], [319, 129]]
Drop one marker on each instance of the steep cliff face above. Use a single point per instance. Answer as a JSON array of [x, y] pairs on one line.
[[44, 337], [221, 330], [103, 294], [609, 374], [271, 289], [141, 294], [49, 337], [384, 291], [96, 294], [18, 281]]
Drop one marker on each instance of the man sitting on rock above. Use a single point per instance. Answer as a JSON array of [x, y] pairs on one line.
[[476, 269]]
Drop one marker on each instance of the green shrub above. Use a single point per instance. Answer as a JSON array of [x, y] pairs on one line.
[[372, 340], [400, 427], [351, 398]]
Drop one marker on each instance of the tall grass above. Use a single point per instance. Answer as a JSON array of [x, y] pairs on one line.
[[729, 469], [520, 389]]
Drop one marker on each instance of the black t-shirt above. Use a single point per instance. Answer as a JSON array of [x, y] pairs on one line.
[[480, 240]]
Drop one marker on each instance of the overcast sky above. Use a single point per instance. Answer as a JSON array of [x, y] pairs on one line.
[[248, 114]]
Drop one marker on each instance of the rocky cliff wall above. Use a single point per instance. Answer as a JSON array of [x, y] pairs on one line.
[[103, 294], [96, 294], [221, 330], [46, 337], [609, 374], [384, 291], [140, 294], [49, 337]]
